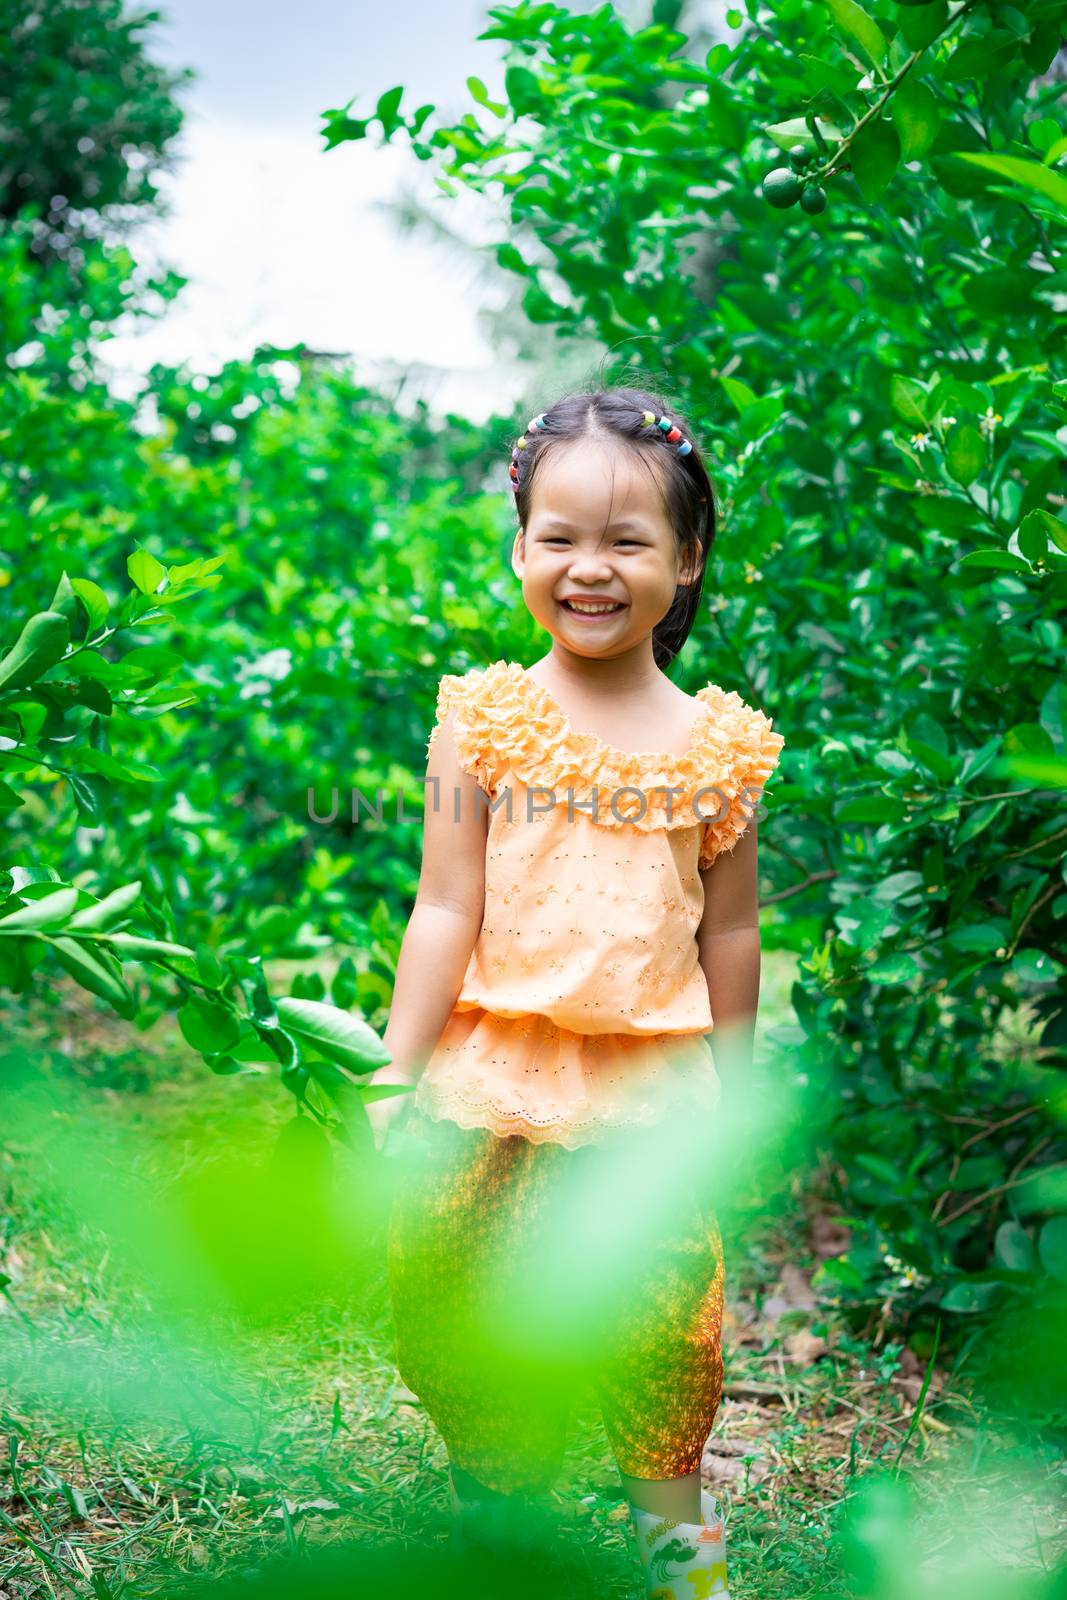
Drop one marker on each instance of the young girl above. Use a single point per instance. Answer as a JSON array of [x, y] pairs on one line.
[[587, 912]]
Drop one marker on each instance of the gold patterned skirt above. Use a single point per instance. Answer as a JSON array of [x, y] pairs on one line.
[[521, 1271]]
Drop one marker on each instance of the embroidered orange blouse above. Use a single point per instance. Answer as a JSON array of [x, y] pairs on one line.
[[584, 1006]]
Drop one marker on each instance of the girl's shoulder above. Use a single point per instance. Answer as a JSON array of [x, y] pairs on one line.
[[742, 746], [486, 701], [484, 697]]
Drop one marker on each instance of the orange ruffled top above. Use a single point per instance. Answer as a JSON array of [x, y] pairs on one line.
[[584, 1007]]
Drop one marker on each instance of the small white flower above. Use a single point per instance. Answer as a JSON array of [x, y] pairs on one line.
[[920, 440]]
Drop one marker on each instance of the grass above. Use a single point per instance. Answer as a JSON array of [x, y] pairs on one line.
[[161, 1427]]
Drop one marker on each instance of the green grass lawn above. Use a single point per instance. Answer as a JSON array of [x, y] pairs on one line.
[[164, 1417]]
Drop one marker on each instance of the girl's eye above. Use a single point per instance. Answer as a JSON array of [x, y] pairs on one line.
[[558, 539]]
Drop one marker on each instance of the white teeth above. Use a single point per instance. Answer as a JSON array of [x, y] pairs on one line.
[[593, 610]]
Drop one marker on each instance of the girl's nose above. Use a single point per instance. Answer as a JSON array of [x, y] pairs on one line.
[[589, 567]]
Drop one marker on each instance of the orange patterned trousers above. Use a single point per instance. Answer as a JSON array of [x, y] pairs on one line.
[[519, 1271]]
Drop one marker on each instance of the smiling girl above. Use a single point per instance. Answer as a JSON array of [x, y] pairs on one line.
[[587, 914]]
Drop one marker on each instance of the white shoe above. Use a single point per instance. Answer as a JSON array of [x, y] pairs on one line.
[[683, 1560]]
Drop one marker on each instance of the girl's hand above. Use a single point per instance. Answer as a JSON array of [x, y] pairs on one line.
[[391, 1111]]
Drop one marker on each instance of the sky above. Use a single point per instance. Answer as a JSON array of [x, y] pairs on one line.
[[282, 241]]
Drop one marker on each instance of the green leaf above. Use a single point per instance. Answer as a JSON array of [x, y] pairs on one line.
[[145, 571], [104, 913], [210, 967], [480, 93], [1013, 1247], [839, 77], [965, 453], [916, 117], [150, 663], [1036, 966], [795, 130], [896, 968], [93, 599], [838, 1270], [380, 1091], [1000, 291], [522, 89], [1035, 531], [757, 419], [1052, 1247], [340, 127], [48, 912], [970, 1297], [511, 259], [875, 157], [87, 796], [1030, 175], [1056, 152], [337, 1035], [879, 1167], [920, 25], [345, 985], [910, 400], [996, 560], [1044, 135], [979, 57], [281, 1043], [63, 601], [1043, 1190], [94, 973], [208, 1026], [89, 760], [978, 938], [387, 107], [40, 645], [90, 692], [739, 393], [139, 948], [185, 569], [862, 29]]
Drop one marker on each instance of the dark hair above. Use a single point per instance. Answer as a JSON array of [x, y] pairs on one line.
[[688, 493]]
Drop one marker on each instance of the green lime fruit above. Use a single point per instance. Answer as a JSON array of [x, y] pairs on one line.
[[781, 188], [813, 200], [800, 157]]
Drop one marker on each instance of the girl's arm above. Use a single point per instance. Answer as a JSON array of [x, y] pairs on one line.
[[728, 940], [447, 916]]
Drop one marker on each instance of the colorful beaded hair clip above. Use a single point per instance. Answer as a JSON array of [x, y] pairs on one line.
[[531, 427], [649, 419], [673, 434]]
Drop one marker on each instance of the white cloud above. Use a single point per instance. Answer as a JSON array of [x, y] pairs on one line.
[[281, 243]]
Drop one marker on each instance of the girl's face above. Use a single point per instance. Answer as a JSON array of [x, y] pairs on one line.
[[598, 531]]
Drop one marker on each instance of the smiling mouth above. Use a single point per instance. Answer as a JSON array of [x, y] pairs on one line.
[[593, 608]]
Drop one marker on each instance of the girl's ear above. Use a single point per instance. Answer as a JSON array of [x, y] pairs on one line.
[[689, 566], [518, 553]]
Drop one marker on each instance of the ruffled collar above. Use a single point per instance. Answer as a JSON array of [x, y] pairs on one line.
[[547, 709], [527, 731]]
